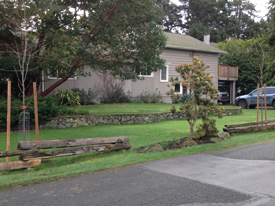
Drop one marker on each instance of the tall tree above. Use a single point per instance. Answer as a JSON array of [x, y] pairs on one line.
[[172, 14], [109, 35], [270, 70], [222, 19], [250, 56]]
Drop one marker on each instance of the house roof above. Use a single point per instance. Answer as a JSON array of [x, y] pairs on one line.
[[185, 42]]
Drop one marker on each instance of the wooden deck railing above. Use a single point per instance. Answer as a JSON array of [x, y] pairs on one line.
[[228, 72]]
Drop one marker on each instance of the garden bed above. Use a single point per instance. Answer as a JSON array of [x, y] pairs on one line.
[[176, 144]]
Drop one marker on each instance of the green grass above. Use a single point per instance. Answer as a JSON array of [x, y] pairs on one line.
[[132, 108], [140, 136]]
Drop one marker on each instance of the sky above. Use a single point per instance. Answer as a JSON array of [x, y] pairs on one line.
[[261, 6]]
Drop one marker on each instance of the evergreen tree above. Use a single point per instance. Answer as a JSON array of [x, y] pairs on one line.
[[172, 13], [250, 56], [222, 19]]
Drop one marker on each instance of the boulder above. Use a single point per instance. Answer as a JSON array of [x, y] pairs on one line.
[[216, 139], [224, 135], [188, 143], [153, 148]]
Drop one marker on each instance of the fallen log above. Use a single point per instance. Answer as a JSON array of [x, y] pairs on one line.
[[20, 164], [248, 129], [70, 143], [16, 152], [250, 124], [74, 151]]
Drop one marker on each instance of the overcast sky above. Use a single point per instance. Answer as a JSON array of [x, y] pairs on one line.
[[261, 6]]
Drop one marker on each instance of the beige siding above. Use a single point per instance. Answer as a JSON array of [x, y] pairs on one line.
[[69, 84], [211, 60], [173, 58]]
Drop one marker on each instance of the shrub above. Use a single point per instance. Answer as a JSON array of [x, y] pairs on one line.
[[207, 129], [185, 98], [150, 97], [112, 90], [66, 111], [47, 109], [173, 109], [68, 97], [15, 111], [82, 111], [118, 96], [86, 97]]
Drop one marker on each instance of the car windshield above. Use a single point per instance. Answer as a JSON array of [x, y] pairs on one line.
[[221, 89]]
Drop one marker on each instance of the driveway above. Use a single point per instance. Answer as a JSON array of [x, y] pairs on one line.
[[230, 177]]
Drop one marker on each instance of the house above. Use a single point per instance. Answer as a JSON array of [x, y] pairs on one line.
[[179, 49]]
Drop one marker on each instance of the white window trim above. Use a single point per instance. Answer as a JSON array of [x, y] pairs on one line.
[[180, 90], [167, 74], [152, 75], [70, 78]]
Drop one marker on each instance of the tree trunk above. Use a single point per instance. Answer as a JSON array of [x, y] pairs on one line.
[[70, 143], [74, 151], [20, 164]]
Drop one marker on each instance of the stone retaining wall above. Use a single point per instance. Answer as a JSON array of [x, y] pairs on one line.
[[92, 120]]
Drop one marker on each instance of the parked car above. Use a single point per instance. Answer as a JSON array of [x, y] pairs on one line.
[[250, 100], [223, 95]]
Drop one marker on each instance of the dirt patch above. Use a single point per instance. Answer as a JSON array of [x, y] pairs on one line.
[[176, 143]]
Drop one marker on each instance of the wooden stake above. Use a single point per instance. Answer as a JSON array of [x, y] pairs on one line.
[[36, 112], [8, 118], [265, 101], [258, 90]]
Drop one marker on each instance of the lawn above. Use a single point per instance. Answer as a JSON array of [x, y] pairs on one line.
[[132, 108], [140, 136]]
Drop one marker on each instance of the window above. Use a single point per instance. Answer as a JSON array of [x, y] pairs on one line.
[[56, 75], [143, 73], [164, 73], [178, 89]]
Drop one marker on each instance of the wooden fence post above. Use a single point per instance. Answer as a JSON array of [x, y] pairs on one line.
[[8, 118], [36, 111]]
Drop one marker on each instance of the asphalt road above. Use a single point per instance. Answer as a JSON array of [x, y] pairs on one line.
[[241, 176]]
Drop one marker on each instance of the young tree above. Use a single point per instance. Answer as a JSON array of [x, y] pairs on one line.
[[110, 35], [200, 86]]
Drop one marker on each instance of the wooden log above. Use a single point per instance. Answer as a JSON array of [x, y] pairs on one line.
[[70, 143], [20, 164], [75, 151], [250, 124], [248, 129], [16, 152]]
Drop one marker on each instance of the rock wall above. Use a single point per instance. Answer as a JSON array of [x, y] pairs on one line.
[[92, 120]]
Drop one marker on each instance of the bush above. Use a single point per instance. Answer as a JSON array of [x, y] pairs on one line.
[[207, 129], [47, 108], [118, 96], [86, 97], [15, 111], [186, 98], [82, 111], [173, 109], [68, 97], [150, 97], [66, 111]]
